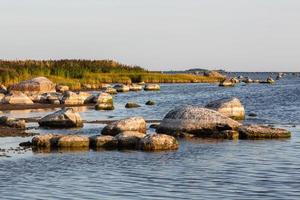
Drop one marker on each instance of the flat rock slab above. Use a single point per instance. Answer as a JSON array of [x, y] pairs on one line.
[[262, 132]]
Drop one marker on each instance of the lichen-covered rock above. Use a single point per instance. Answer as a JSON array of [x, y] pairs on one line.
[[130, 124], [80, 98], [150, 103], [62, 88], [121, 88], [227, 83], [103, 141], [132, 105], [73, 141], [198, 121], [104, 101], [65, 118], [158, 142], [135, 87], [34, 86], [17, 98], [262, 132], [151, 87], [129, 139], [46, 141], [12, 123], [231, 107]]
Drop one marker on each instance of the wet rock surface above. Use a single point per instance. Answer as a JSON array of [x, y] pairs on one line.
[[262, 132]]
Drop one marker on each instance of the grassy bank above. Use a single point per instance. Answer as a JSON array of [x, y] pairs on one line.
[[75, 73]]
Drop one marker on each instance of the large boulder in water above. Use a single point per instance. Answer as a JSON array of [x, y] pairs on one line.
[[135, 87], [103, 142], [104, 101], [130, 124], [12, 123], [158, 142], [17, 98], [122, 88], [73, 141], [151, 87], [65, 118], [262, 132], [231, 107], [34, 86], [45, 141], [198, 121]]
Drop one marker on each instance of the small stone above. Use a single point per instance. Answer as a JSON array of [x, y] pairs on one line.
[[150, 103]]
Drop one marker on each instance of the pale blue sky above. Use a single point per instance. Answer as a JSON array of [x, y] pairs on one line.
[[244, 35]]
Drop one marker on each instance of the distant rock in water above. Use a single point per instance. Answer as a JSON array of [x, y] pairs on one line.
[[150, 103], [17, 98], [121, 88], [198, 121], [269, 80], [231, 107], [252, 114], [110, 90], [227, 83], [72, 98], [104, 101], [65, 118], [132, 105], [151, 87], [129, 139], [135, 87], [34, 86], [129, 124], [262, 132]]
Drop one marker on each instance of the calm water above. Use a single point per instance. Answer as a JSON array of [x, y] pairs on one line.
[[213, 169]]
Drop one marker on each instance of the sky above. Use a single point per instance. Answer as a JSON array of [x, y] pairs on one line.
[[235, 35]]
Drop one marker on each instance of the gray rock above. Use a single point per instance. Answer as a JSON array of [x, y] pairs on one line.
[[151, 87], [158, 142], [65, 118], [198, 121]]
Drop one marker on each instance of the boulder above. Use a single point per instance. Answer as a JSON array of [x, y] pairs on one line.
[[121, 88], [231, 107], [64, 118], [34, 86], [129, 139], [12, 123], [110, 90], [45, 141], [227, 134], [73, 141], [198, 121], [17, 98], [103, 141], [62, 88], [135, 87], [151, 87], [104, 101], [150, 103], [132, 105], [227, 83], [130, 124], [158, 142], [262, 132], [3, 89], [50, 98], [80, 98]]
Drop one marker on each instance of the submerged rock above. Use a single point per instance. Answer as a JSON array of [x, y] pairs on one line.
[[121, 88], [231, 107], [130, 124], [34, 86], [150, 103], [132, 105], [17, 98], [103, 141], [65, 118], [262, 132], [158, 142], [104, 102], [198, 121], [129, 139], [151, 87]]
